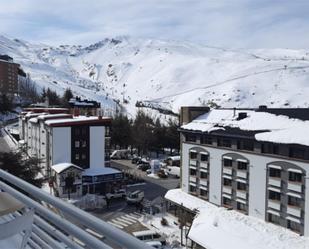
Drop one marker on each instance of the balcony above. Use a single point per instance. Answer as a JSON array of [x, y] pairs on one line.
[[227, 170], [295, 186], [203, 182], [192, 162], [293, 210], [204, 165], [192, 179], [241, 194], [49, 229], [227, 189], [274, 204], [242, 173], [274, 181]]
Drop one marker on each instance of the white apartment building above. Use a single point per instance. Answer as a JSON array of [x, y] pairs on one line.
[[255, 161]]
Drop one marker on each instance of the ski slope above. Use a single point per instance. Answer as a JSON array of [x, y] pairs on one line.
[[167, 73]]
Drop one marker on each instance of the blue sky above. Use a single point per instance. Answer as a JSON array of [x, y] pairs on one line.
[[226, 23]]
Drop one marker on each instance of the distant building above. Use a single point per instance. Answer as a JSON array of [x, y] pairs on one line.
[[255, 161], [84, 107], [8, 75], [64, 139]]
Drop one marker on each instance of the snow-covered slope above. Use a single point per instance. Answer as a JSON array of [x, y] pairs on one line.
[[168, 73]]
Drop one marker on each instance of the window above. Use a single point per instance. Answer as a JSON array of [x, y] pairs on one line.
[[274, 219], [77, 131], [274, 172], [204, 157], [84, 131], [193, 155], [77, 156], [227, 182], [223, 142], [206, 140], [241, 206], [107, 131], [227, 201], [84, 143], [248, 145], [295, 177], [273, 195], [77, 144], [294, 226], [242, 165], [294, 201], [203, 192], [241, 186], [227, 162], [190, 138], [83, 156], [297, 152], [269, 148], [192, 188], [192, 172], [43, 131], [203, 175], [43, 143]]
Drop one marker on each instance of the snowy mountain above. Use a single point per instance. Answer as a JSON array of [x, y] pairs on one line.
[[168, 74]]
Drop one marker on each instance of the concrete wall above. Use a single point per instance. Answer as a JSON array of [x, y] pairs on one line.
[[97, 146], [61, 145]]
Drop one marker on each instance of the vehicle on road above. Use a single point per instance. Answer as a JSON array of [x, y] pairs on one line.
[[149, 235], [173, 171], [144, 165], [173, 161], [120, 154], [121, 193], [135, 197], [135, 159]]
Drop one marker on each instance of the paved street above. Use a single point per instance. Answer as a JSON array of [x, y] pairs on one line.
[[124, 216]]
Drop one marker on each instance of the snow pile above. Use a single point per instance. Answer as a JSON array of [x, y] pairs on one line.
[[217, 228], [170, 231], [270, 127]]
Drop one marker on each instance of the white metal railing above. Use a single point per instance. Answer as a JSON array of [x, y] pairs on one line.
[[49, 225]]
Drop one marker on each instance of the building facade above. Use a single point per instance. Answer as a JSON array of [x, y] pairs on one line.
[[8, 75], [255, 161]]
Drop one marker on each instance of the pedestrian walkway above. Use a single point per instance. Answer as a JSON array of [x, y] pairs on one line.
[[125, 220]]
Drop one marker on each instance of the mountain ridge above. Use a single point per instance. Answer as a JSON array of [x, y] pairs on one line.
[[167, 73]]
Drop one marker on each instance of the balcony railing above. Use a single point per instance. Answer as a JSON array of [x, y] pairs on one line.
[[50, 227]]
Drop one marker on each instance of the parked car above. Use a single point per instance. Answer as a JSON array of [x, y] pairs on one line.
[[120, 154], [121, 193], [136, 159], [149, 235], [144, 166], [135, 197]]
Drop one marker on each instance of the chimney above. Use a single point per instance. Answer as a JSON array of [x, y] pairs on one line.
[[188, 113], [234, 112], [100, 115]]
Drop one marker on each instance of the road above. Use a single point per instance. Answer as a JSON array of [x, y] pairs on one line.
[[152, 188]]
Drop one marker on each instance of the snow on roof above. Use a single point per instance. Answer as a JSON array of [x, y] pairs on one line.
[[100, 171], [53, 116], [60, 167], [273, 128], [238, 230], [72, 120]]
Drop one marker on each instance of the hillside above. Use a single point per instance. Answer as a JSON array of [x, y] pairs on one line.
[[167, 73]]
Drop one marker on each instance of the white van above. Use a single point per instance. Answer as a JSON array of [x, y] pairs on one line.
[[135, 197], [149, 236]]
